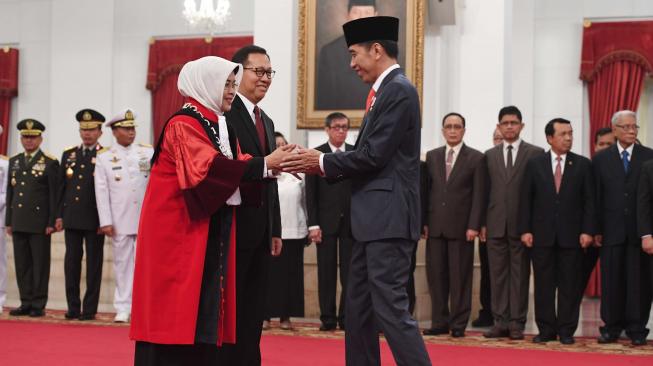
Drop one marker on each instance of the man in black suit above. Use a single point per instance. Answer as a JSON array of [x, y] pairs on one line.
[[30, 217], [385, 208], [337, 86], [625, 291], [258, 233], [556, 220], [455, 197], [77, 213], [329, 226]]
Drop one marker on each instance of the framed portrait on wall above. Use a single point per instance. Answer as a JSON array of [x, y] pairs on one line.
[[325, 82]]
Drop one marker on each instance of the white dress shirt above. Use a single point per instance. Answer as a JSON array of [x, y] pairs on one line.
[[554, 162], [515, 150], [456, 152], [621, 151]]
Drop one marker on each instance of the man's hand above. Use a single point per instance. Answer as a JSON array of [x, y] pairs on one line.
[[425, 232], [598, 240], [58, 224], [585, 240], [107, 230], [482, 236], [275, 247], [273, 161], [471, 234], [305, 161], [527, 239], [315, 235], [647, 244], [8, 230], [49, 230]]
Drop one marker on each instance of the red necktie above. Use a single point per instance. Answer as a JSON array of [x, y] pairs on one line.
[[558, 175], [370, 97], [260, 129]]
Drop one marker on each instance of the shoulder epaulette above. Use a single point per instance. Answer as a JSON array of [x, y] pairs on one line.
[[70, 148], [104, 149], [17, 155], [4, 157], [144, 145], [50, 156]]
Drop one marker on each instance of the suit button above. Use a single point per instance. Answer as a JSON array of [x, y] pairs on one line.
[[24, 173], [79, 188], [626, 194], [20, 205], [81, 176], [22, 183], [20, 194], [444, 204], [82, 166], [37, 208]]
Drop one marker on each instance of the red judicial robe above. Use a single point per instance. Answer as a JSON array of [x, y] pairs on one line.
[[189, 181]]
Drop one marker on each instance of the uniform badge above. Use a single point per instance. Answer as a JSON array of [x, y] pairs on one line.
[[13, 182], [115, 159], [69, 172], [87, 116], [144, 165], [118, 177], [39, 167]]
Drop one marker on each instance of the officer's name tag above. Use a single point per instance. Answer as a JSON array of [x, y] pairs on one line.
[[116, 168], [144, 165]]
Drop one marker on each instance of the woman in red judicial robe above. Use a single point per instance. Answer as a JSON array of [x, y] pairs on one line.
[[184, 281]]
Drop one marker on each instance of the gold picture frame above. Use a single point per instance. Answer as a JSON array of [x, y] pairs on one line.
[[310, 45]]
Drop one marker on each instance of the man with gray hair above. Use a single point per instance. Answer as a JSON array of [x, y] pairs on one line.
[[625, 291]]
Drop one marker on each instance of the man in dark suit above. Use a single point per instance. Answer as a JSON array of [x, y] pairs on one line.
[[258, 233], [77, 213], [385, 208], [556, 220], [329, 226], [625, 291], [645, 213], [333, 74], [509, 262], [455, 198], [30, 217]]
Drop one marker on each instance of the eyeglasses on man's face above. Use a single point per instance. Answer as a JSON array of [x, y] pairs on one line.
[[259, 71], [628, 127], [452, 127], [339, 128]]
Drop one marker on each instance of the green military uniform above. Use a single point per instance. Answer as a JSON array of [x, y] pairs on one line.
[[31, 208], [78, 209]]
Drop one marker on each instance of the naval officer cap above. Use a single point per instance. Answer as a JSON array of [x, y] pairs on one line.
[[380, 28], [89, 119], [126, 118], [30, 127]]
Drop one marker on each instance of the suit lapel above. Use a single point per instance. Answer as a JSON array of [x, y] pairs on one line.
[[568, 172], [440, 165], [269, 133], [521, 157], [461, 161], [615, 159], [391, 75], [498, 159], [635, 161], [246, 119]]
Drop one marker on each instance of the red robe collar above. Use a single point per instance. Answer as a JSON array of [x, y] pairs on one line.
[[207, 113]]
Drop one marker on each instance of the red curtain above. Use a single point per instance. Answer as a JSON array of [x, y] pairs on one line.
[[616, 57], [8, 90], [166, 60]]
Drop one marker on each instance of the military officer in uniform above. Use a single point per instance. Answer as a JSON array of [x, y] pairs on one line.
[[4, 173], [121, 175], [30, 217], [77, 214]]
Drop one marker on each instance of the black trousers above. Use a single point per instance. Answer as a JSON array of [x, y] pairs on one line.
[[73, 269], [32, 260], [556, 268], [152, 354], [449, 268], [411, 281], [286, 281], [252, 268], [625, 290], [485, 288], [333, 253], [376, 297]]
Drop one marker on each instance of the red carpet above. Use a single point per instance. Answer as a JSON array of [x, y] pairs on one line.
[[36, 343]]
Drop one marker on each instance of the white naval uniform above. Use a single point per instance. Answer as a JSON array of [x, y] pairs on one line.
[[121, 175], [4, 173]]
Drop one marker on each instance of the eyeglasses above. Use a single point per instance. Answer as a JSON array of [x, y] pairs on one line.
[[628, 127], [260, 72], [339, 128], [510, 123], [453, 127], [229, 85]]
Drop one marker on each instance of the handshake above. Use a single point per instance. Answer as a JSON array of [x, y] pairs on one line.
[[294, 159]]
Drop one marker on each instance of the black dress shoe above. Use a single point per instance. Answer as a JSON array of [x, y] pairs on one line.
[[606, 338], [327, 327], [71, 315], [20, 311], [516, 335], [36, 313], [87, 317], [541, 338], [567, 340], [435, 331], [458, 333], [483, 322], [496, 332], [638, 342], [341, 326]]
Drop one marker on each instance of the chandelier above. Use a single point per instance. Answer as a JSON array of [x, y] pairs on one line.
[[208, 18]]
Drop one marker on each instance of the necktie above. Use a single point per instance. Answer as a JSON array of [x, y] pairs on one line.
[[260, 129], [449, 164], [624, 159], [85, 152], [370, 97], [558, 174], [509, 159], [28, 157]]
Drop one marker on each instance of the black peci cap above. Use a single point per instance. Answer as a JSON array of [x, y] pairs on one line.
[[371, 29]]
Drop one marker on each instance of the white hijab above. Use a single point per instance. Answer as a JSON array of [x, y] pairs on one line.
[[204, 80]]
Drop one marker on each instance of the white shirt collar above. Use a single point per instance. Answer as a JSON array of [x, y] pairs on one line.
[[515, 145], [248, 105], [554, 156], [629, 149], [456, 149], [379, 80], [123, 148], [334, 148]]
